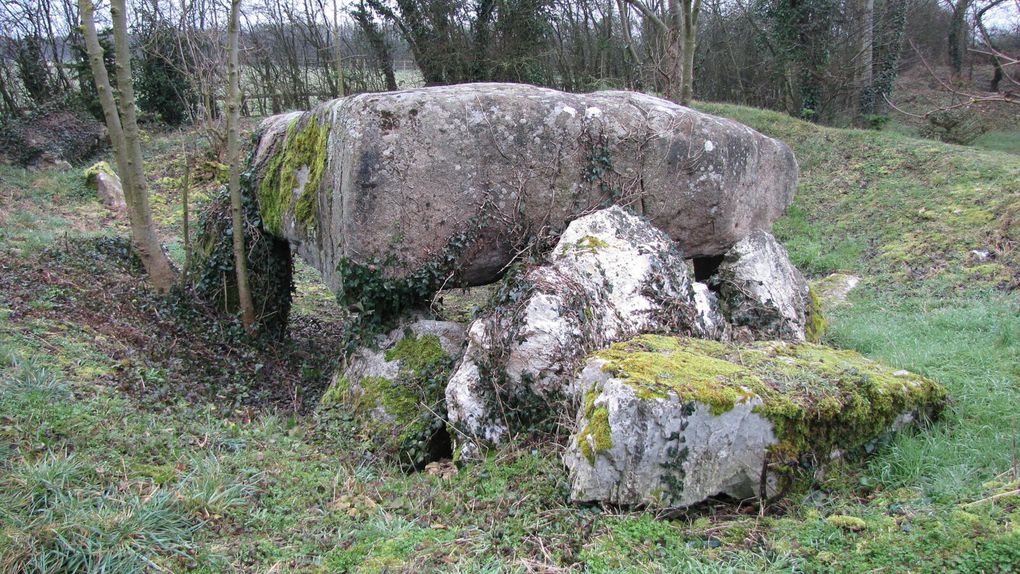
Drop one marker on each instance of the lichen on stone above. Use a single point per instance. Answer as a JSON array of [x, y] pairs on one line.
[[816, 324], [597, 434], [304, 148], [818, 399]]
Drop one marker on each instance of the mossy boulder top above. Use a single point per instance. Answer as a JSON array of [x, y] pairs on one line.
[[456, 176], [669, 422]]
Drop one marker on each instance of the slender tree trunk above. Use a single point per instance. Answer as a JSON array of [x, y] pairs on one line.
[[185, 215], [161, 271], [958, 35], [234, 160], [691, 13], [123, 129], [999, 73], [865, 88]]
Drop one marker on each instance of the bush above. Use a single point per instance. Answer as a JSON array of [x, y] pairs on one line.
[[958, 126], [160, 80], [49, 134]]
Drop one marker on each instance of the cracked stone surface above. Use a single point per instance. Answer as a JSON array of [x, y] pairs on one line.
[[761, 292], [611, 276], [408, 171]]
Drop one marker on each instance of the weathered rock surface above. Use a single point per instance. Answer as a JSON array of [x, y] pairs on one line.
[[418, 186], [611, 276], [395, 389], [761, 292], [110, 191], [833, 289], [101, 177], [669, 422]]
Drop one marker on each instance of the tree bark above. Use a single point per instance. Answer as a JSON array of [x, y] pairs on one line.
[[234, 160], [866, 53], [958, 35], [999, 73], [123, 127]]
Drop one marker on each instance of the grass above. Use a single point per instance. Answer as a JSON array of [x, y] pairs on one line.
[[1000, 140], [127, 445]]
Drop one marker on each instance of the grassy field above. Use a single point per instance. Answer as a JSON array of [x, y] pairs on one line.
[[139, 433]]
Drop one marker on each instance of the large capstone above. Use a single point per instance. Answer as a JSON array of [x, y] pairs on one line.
[[668, 422], [392, 196], [613, 275]]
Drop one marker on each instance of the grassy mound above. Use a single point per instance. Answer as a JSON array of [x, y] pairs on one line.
[[897, 209], [235, 478]]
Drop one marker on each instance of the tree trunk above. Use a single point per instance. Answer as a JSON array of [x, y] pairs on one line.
[[234, 160], [865, 70], [887, 54], [999, 73], [123, 128], [692, 11], [958, 35]]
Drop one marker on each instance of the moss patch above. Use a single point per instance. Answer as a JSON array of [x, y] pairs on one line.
[[301, 157], [816, 324], [92, 173], [597, 434], [819, 399], [851, 523], [400, 417], [586, 244]]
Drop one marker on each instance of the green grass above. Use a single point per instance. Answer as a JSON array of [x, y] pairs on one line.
[[1005, 140], [91, 476]]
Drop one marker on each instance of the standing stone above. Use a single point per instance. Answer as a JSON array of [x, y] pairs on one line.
[[611, 276]]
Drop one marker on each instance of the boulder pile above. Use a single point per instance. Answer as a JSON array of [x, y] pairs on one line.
[[663, 324]]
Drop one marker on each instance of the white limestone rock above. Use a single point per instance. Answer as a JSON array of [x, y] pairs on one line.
[[611, 276]]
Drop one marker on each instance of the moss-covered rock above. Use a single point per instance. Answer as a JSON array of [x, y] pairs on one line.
[[395, 392], [92, 172], [288, 192], [690, 418]]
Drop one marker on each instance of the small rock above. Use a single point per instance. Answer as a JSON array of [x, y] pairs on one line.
[[761, 291], [110, 192]]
